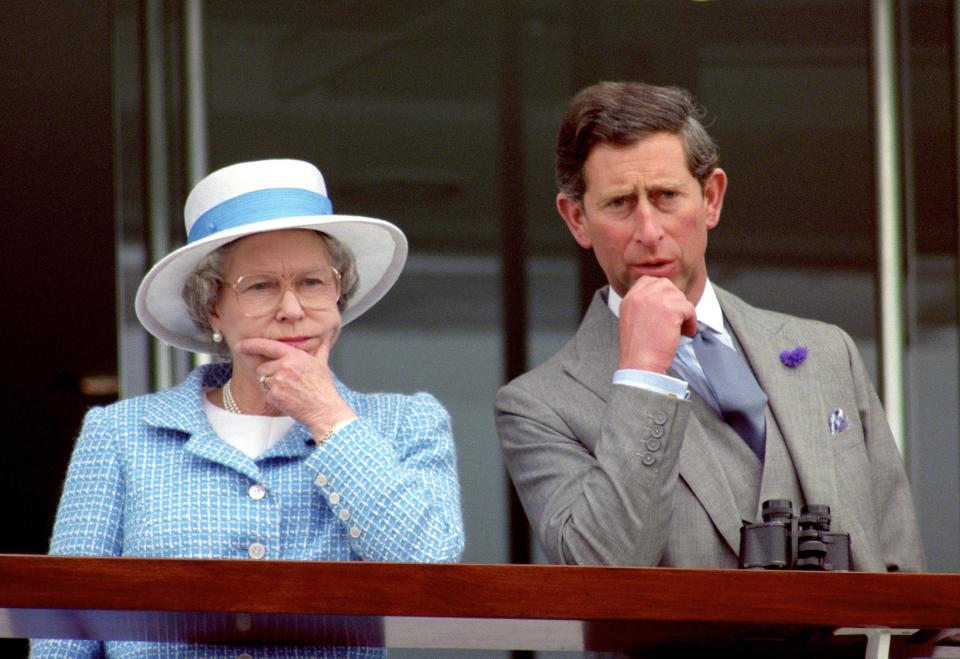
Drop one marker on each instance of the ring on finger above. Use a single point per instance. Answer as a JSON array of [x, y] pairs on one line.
[[263, 382]]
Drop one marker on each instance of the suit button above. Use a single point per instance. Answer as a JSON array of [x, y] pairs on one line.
[[648, 459], [653, 444], [660, 418], [656, 432]]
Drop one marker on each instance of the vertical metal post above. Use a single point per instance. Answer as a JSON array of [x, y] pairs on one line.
[[513, 238], [890, 217], [157, 184], [956, 144], [195, 100], [956, 137], [195, 96], [118, 178]]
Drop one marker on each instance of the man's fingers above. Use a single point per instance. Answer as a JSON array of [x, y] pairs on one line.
[[658, 294]]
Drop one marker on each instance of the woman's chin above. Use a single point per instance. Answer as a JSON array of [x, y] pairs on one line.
[[300, 343]]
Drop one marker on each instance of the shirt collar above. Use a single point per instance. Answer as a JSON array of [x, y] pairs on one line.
[[708, 308]]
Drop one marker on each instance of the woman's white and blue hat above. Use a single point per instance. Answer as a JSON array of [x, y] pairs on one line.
[[253, 197]]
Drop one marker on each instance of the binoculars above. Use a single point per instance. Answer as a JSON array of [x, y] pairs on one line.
[[784, 541]]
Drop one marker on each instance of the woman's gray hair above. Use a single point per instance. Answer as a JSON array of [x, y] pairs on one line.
[[203, 285]]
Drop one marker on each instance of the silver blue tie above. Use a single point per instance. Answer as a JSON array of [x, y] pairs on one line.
[[734, 392]]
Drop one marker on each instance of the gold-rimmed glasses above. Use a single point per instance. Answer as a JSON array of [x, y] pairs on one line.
[[260, 293]]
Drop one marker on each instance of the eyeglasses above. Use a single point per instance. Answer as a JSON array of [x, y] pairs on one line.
[[259, 294]]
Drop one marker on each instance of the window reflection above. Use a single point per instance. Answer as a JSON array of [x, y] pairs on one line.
[[398, 105]]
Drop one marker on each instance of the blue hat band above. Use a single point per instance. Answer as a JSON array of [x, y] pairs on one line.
[[258, 206]]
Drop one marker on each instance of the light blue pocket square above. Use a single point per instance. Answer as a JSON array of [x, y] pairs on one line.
[[838, 422]]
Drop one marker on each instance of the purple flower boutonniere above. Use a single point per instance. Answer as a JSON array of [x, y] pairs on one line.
[[795, 357]]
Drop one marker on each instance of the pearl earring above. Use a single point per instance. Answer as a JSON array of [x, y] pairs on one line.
[[217, 336]]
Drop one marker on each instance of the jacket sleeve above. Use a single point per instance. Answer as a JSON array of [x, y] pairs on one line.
[[593, 495], [89, 516], [899, 534], [395, 491]]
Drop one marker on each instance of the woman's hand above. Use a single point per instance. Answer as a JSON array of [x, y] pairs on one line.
[[298, 383]]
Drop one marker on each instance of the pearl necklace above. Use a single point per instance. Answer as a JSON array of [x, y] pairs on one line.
[[228, 402]]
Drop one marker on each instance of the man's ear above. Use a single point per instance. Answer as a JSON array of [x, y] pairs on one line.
[[713, 190], [572, 213]]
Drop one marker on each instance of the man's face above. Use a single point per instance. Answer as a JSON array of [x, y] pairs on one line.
[[644, 213]]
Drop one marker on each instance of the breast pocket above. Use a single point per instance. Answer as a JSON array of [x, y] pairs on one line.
[[847, 439]]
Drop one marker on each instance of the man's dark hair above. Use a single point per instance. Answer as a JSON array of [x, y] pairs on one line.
[[622, 113]]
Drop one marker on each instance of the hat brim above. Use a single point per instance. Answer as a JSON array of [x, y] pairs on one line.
[[379, 249]]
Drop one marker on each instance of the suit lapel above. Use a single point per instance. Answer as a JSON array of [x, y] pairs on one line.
[[794, 395], [180, 409], [596, 349], [705, 476]]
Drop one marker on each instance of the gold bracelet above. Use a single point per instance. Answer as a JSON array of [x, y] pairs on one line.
[[337, 426], [321, 440]]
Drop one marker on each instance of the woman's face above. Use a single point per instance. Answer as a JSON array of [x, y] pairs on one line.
[[288, 255]]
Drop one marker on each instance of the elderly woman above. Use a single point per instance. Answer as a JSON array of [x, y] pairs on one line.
[[267, 455]]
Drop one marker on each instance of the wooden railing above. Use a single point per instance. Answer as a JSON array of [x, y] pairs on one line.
[[535, 607]]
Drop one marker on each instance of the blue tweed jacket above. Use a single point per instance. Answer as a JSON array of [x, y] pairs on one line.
[[149, 477]]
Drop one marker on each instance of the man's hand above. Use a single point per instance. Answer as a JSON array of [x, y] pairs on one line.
[[299, 384], [653, 315]]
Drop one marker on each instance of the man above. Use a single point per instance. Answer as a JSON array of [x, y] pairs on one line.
[[625, 447]]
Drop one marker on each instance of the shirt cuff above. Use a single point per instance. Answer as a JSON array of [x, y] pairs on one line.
[[655, 382]]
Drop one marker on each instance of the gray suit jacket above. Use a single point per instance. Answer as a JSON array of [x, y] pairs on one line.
[[576, 447]]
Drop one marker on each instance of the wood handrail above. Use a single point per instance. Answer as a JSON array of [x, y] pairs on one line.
[[243, 598]]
